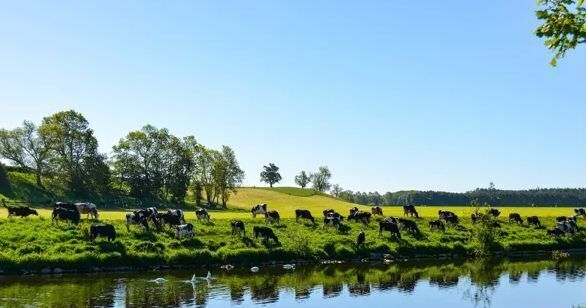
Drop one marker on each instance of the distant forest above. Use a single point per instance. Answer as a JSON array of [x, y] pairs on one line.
[[480, 196]]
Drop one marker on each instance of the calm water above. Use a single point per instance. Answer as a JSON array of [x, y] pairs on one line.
[[503, 283]]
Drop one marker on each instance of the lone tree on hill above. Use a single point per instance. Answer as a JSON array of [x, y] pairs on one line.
[[302, 179], [270, 174], [336, 190], [321, 179]]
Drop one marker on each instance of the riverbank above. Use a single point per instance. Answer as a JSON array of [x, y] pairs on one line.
[[34, 245]]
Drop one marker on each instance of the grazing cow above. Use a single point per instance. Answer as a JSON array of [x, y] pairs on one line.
[[178, 213], [272, 217], [494, 212], [258, 209], [305, 214], [442, 214], [65, 205], [561, 219], [409, 210], [65, 214], [87, 208], [410, 225], [376, 210], [573, 218], [266, 233], [474, 217], [360, 216], [496, 224], [555, 232], [360, 239], [437, 224], [331, 221], [580, 212], [332, 213], [352, 211], [137, 218], [515, 217], [202, 214], [237, 227], [105, 230], [20, 211], [386, 225], [567, 226], [170, 218], [533, 220], [186, 230], [449, 217]]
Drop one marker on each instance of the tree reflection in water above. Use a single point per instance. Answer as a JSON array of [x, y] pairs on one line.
[[479, 280]]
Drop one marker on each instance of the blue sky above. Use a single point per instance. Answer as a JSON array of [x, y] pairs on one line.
[[390, 95]]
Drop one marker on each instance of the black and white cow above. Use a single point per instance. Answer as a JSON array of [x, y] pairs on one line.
[[179, 213], [515, 217], [237, 227], [186, 230], [137, 218], [533, 220], [567, 226], [410, 225], [202, 214], [561, 219], [555, 232], [409, 210], [494, 212], [258, 209], [449, 217], [170, 218], [71, 216], [360, 216], [352, 211], [104, 230], [331, 221], [376, 210], [266, 233], [437, 224], [304, 214], [580, 212], [386, 225], [332, 213], [272, 217], [87, 208], [20, 211], [360, 239]]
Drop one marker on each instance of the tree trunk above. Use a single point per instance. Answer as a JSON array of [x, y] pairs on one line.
[[271, 184], [38, 177]]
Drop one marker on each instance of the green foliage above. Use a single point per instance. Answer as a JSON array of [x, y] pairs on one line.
[[302, 179], [270, 174], [5, 188], [484, 233], [564, 25], [321, 179]]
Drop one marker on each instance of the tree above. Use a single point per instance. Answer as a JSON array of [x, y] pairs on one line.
[[270, 174], [75, 159], [227, 175], [321, 179], [336, 190], [564, 25], [27, 148], [204, 176], [302, 179]]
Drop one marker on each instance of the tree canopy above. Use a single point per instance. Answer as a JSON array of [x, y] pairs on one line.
[[270, 174]]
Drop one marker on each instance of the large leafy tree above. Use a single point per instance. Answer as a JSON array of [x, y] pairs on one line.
[[75, 159], [564, 25], [270, 174], [321, 179], [302, 179], [27, 148], [227, 174]]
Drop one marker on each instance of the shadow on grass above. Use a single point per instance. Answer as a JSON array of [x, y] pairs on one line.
[[145, 236], [249, 242], [107, 246]]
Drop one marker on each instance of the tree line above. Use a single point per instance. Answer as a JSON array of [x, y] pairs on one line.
[[148, 164], [479, 196]]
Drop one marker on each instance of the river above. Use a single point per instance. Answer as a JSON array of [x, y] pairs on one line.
[[496, 283]]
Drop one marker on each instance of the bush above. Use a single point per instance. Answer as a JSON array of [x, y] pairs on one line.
[[484, 233]]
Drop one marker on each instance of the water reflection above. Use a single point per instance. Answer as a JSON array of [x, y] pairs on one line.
[[478, 282]]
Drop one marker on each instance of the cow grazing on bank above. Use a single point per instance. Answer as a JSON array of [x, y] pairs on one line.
[[360, 216], [137, 218], [567, 226], [331, 221], [580, 212], [65, 214], [410, 225], [449, 217], [103, 230], [474, 217], [332, 213], [515, 217], [65, 205], [573, 218], [555, 232], [376, 210], [360, 239], [179, 213], [186, 230], [20, 211], [87, 208], [170, 218], [386, 225], [352, 211], [305, 214], [534, 220], [272, 217], [561, 219], [237, 227], [494, 212], [409, 210], [202, 214], [258, 209], [266, 233], [437, 224]]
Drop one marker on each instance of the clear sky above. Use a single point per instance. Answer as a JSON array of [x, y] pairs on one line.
[[391, 95]]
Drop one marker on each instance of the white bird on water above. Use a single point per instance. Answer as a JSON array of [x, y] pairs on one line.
[[207, 278], [160, 280], [254, 269], [289, 266]]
